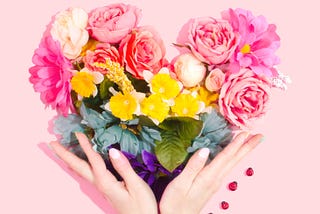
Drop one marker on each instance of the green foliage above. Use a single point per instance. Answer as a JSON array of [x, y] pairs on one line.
[[171, 151], [176, 136], [94, 119], [104, 89], [215, 134]]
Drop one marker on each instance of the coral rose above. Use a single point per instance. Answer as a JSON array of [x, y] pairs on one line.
[[143, 50]]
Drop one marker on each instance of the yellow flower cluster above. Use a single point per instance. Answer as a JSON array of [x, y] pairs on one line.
[[166, 97]]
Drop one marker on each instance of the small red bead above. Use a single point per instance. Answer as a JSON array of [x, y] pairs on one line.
[[233, 186], [224, 205], [249, 172]]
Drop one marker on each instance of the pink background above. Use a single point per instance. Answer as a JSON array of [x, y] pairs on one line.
[[286, 164]]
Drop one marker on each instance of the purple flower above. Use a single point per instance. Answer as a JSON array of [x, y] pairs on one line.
[[152, 172], [258, 42]]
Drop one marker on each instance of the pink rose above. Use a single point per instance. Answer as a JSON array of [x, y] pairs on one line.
[[214, 80], [143, 50], [243, 97], [102, 52], [212, 41], [112, 23]]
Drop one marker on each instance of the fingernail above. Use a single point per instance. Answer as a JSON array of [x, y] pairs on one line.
[[262, 139], [246, 135], [114, 154], [204, 152]]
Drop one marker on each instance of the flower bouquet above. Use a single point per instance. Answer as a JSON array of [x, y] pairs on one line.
[[108, 77]]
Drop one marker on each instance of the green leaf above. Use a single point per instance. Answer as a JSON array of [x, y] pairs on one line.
[[129, 142], [139, 85], [171, 151], [104, 89], [93, 103], [94, 119], [146, 121], [187, 128], [104, 138], [66, 126]]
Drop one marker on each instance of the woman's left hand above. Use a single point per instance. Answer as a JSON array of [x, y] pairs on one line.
[[132, 195]]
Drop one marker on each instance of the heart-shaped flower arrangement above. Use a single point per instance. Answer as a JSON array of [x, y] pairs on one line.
[[108, 77]]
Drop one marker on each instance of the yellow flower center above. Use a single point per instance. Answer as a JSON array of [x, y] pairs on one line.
[[165, 86], [123, 106], [82, 83], [185, 105], [246, 49], [154, 107]]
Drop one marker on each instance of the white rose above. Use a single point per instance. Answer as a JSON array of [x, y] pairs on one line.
[[190, 71], [69, 28]]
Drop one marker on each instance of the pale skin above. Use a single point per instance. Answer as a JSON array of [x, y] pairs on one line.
[[188, 192]]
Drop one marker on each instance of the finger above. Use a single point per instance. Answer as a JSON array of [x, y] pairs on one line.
[[193, 167], [78, 165], [123, 167], [227, 153], [101, 174], [246, 148]]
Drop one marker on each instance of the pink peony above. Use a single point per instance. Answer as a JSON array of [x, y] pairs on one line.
[[143, 50], [210, 40], [243, 97], [51, 76], [258, 42], [214, 80], [112, 23], [100, 54]]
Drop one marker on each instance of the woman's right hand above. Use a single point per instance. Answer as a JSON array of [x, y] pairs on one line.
[[190, 190]]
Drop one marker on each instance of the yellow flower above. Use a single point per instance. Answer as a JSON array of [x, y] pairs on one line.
[[165, 86], [84, 82], [209, 98], [123, 106], [154, 107], [186, 105], [116, 74], [91, 45]]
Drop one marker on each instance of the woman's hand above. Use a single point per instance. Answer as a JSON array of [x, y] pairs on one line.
[[132, 195], [189, 191]]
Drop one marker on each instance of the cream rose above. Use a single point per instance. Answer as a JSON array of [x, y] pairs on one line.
[[69, 28], [189, 70]]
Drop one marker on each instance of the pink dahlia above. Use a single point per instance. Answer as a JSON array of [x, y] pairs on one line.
[[51, 76], [258, 42]]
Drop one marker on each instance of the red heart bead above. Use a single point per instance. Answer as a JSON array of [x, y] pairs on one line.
[[233, 186], [224, 205], [249, 172]]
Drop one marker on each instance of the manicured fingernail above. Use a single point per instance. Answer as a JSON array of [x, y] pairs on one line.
[[115, 154], [204, 152]]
